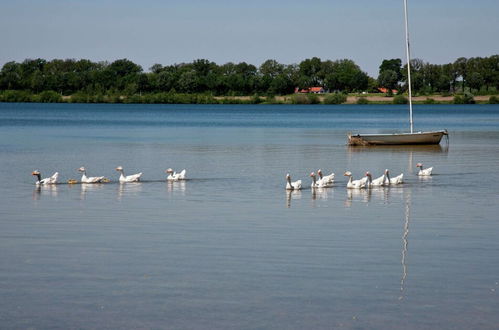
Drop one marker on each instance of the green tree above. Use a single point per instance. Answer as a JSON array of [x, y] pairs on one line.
[[188, 82], [309, 72], [394, 65], [10, 76], [417, 75], [475, 80], [156, 68], [388, 79], [350, 77], [271, 68], [490, 71], [449, 72], [37, 81], [271, 78], [461, 70], [124, 67]]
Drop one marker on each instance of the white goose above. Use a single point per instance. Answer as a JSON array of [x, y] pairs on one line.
[[174, 176], [128, 178], [316, 183], [292, 185], [320, 183], [326, 178], [378, 182], [91, 179], [396, 180], [40, 181], [355, 184], [424, 172]]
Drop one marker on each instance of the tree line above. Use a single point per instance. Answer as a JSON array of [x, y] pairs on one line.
[[125, 78], [477, 75], [201, 76]]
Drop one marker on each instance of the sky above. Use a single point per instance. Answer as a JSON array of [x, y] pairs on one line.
[[168, 32]]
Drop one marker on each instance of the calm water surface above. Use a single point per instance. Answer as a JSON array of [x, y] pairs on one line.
[[230, 248]]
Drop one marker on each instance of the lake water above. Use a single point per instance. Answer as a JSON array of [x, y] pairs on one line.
[[230, 248]]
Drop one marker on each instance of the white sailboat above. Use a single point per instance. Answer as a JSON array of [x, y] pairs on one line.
[[433, 137]]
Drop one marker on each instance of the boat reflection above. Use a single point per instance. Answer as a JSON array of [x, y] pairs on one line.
[[400, 149], [292, 194], [45, 190]]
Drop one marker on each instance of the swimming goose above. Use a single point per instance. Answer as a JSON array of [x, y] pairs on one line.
[[425, 172], [40, 181], [292, 185], [381, 181], [316, 183], [326, 178], [396, 180], [355, 184], [128, 178], [320, 183], [91, 179], [174, 176]]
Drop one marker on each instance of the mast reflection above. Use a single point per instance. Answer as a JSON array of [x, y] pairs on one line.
[[405, 243]]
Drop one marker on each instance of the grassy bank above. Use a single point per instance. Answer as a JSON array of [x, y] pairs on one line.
[[180, 98]]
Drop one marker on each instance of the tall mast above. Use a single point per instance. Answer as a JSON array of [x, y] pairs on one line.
[[408, 54]]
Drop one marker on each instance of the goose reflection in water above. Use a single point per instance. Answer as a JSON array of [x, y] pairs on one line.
[[425, 178], [381, 194], [176, 186], [89, 187], [321, 193], [45, 190], [292, 194], [378, 194], [131, 188], [358, 195]]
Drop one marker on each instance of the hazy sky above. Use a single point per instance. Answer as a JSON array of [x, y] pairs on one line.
[[168, 32]]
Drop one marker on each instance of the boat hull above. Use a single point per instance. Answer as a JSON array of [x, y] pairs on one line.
[[396, 138]]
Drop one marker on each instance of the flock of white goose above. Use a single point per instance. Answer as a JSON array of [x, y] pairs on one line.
[[172, 176], [323, 181], [326, 181]]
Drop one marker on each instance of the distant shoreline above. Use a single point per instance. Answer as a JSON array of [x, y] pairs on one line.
[[298, 98], [381, 99], [417, 99], [312, 81]]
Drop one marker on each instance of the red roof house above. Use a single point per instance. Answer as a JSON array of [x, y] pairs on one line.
[[314, 90], [385, 90]]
